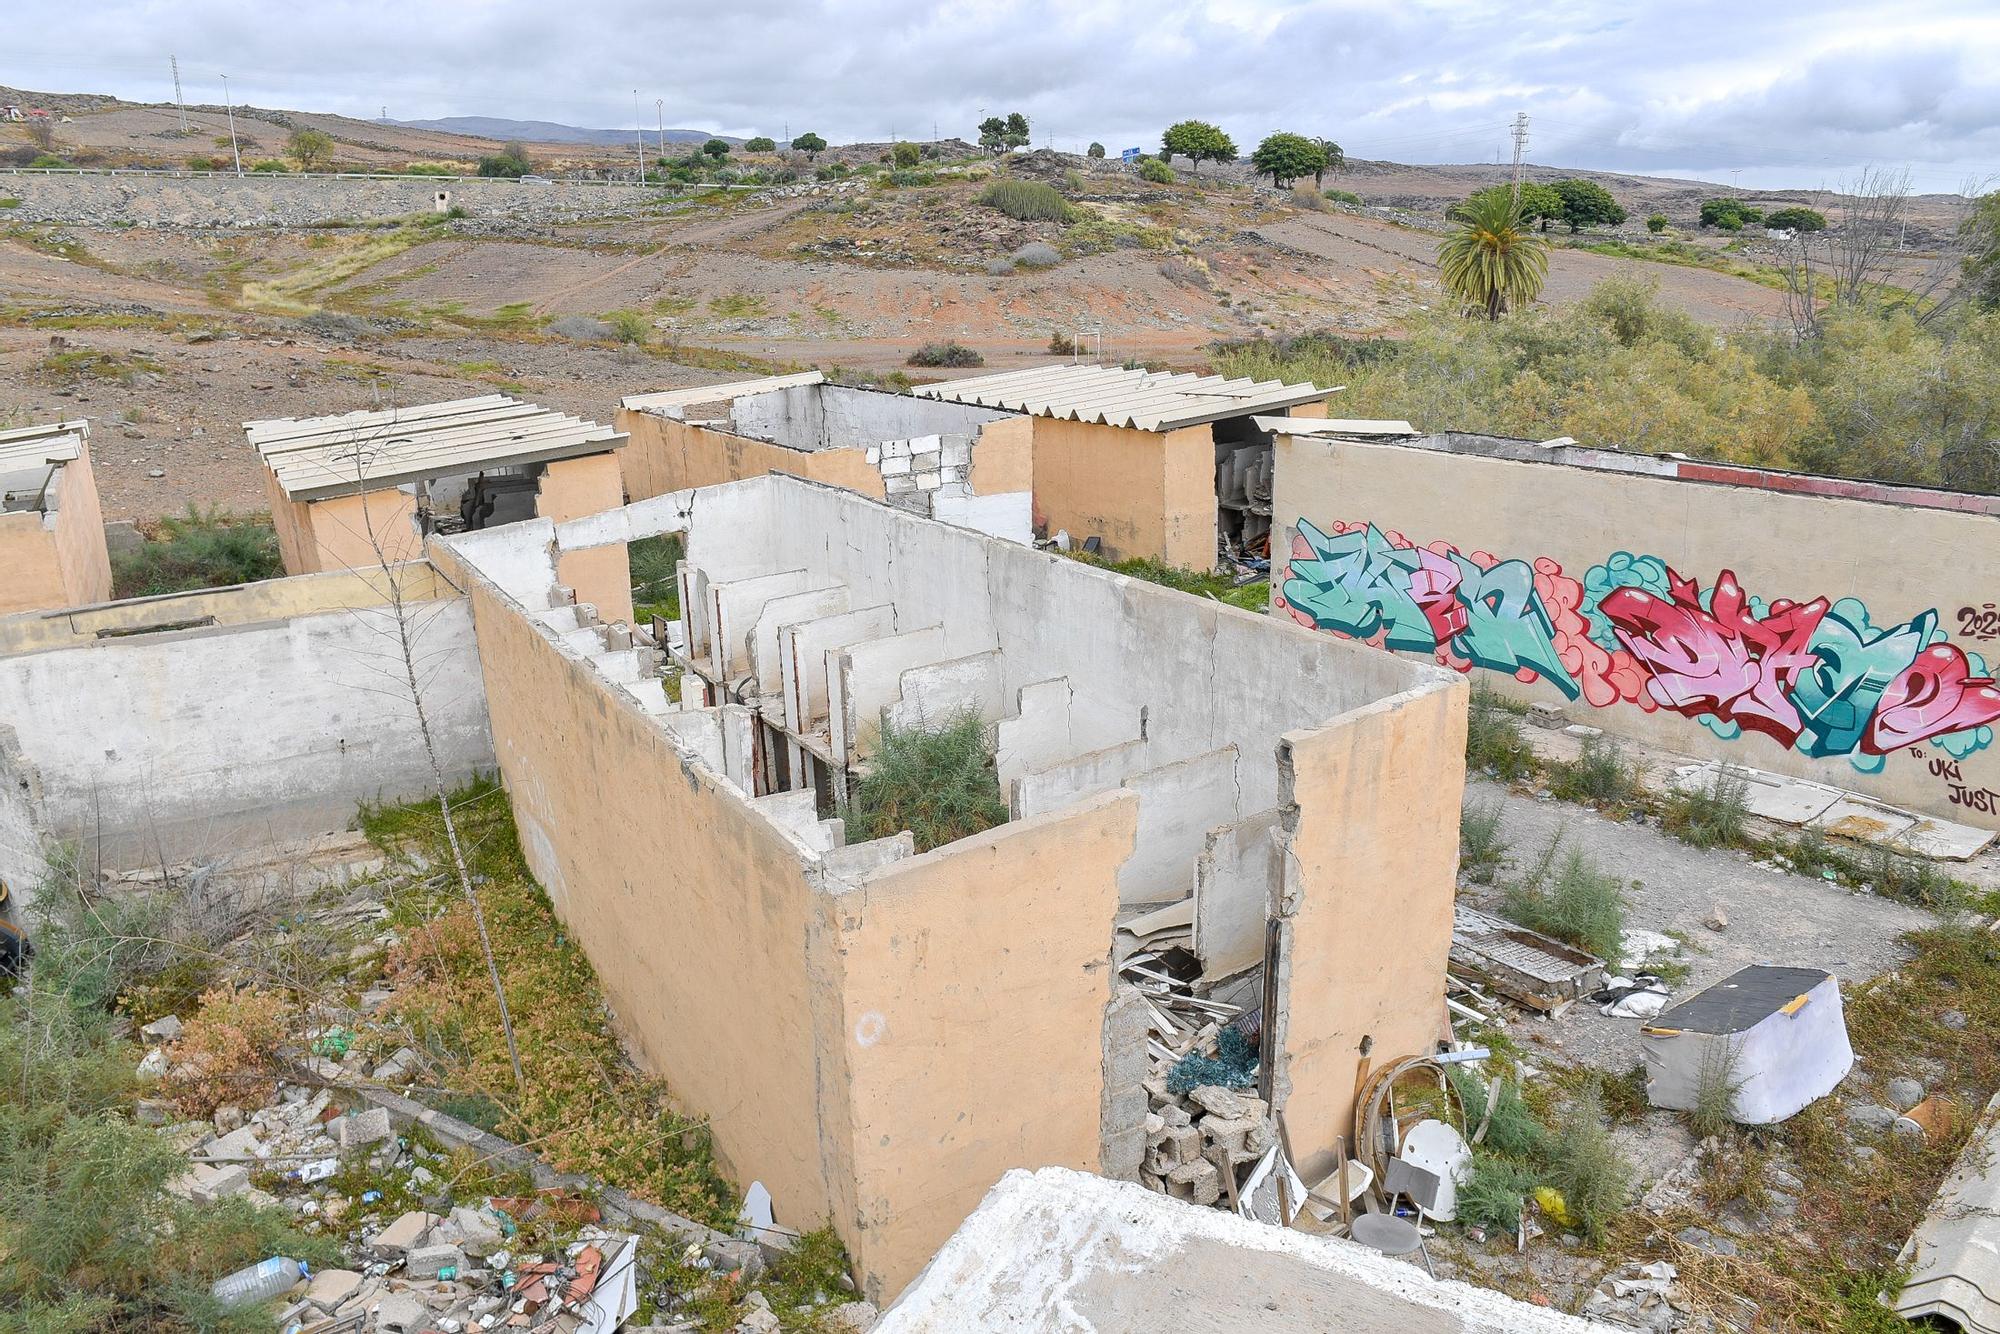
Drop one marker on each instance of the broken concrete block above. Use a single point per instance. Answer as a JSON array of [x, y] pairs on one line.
[[162, 1030], [217, 1183], [405, 1234], [1583, 731], [895, 467], [330, 1287], [242, 1142], [478, 1231], [227, 1117], [1219, 1101], [430, 1261], [1199, 1180], [852, 1318], [1176, 1115], [1232, 1133], [730, 1256], [1546, 715], [1180, 1144], [153, 1065], [359, 1129], [154, 1112], [400, 1313]]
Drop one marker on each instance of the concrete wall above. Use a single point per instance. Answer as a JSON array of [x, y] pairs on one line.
[[1371, 823], [665, 455], [342, 533], [55, 557], [1560, 591], [177, 745], [1144, 493], [831, 416]]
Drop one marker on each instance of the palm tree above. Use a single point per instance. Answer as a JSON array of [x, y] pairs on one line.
[[1332, 160], [1494, 260]]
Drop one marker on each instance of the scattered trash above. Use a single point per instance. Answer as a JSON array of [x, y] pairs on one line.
[[1639, 946], [334, 1044], [319, 1170], [1550, 1201], [258, 1283], [1538, 971]]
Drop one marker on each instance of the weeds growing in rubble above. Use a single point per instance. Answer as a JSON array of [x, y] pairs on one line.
[[1493, 1195], [938, 783], [1600, 775], [1567, 896], [201, 549], [1715, 1089], [656, 589], [1584, 1164], [1482, 848], [1493, 740], [583, 1107], [1713, 814]]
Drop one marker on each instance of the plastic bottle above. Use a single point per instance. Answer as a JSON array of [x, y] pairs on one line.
[[258, 1283]]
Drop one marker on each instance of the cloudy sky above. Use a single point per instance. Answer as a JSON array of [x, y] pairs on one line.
[[1786, 92]]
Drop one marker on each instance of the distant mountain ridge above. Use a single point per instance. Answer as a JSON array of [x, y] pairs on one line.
[[551, 132]]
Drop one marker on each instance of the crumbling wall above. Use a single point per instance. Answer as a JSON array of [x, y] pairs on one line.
[[831, 416], [31, 573], [1825, 629], [973, 986], [570, 489], [179, 744], [1369, 851], [664, 455], [79, 534]]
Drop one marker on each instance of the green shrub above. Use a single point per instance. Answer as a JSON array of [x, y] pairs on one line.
[[1493, 740], [510, 163], [1027, 201], [1347, 197], [950, 354], [1797, 219], [937, 783], [1715, 814], [428, 169], [202, 162], [1715, 1090], [760, 144], [9, 201], [656, 588], [271, 166], [1494, 1193], [1896, 875], [629, 326], [1600, 775], [1585, 1165], [47, 160], [1156, 171], [1481, 846], [1656, 223], [1567, 896], [1512, 1129], [211, 549], [906, 156]]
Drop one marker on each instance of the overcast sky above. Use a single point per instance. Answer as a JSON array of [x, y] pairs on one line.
[[1787, 92]]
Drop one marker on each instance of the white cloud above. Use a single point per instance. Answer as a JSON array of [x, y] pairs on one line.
[[1788, 92]]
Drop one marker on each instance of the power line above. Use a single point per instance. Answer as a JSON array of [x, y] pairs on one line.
[[179, 105], [1520, 146]]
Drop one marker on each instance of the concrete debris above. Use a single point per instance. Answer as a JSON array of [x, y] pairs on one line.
[[330, 1287], [163, 1030], [153, 1065], [434, 1262], [404, 1235], [1645, 1296], [359, 1129]]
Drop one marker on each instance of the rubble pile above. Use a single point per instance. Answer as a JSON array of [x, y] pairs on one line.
[[1196, 1142]]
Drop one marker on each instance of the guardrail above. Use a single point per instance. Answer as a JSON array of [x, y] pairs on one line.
[[185, 173]]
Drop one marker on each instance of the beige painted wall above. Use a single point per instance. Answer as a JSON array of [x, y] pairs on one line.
[[1368, 891], [973, 982], [344, 530], [1003, 457], [698, 931], [570, 489], [1900, 561], [1143, 492], [665, 455], [59, 560], [79, 535]]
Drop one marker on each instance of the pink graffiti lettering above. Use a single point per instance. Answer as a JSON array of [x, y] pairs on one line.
[[1935, 694], [1434, 586], [1723, 661]]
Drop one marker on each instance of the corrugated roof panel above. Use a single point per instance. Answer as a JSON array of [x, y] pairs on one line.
[[668, 399], [1136, 399], [37, 446], [316, 457]]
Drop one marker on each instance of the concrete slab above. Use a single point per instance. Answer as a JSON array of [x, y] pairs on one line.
[[1863, 820], [1944, 841]]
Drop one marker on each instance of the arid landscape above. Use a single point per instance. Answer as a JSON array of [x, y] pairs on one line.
[[171, 309]]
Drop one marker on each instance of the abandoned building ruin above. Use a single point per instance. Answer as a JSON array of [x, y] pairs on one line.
[[878, 1034], [965, 465], [351, 491], [52, 551], [1150, 463]]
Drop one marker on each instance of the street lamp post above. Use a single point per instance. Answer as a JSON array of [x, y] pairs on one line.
[[230, 107]]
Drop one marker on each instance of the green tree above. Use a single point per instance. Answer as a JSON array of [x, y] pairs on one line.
[[715, 150], [1587, 204], [310, 148], [1539, 203], [1980, 233], [1196, 140], [993, 133], [1095, 150], [1286, 157], [1730, 215], [906, 155], [761, 144], [1331, 158], [1493, 261], [510, 162], [1017, 130], [1797, 219], [811, 145], [1656, 223]]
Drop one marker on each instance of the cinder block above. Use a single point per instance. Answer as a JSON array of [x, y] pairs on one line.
[[958, 451], [927, 444], [895, 449], [895, 467], [1203, 1182], [927, 481], [1546, 715], [1181, 1144], [1228, 1133]]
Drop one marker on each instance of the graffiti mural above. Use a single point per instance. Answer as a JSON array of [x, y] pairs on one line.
[[1819, 677]]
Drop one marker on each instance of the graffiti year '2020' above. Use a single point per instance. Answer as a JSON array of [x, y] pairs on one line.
[[1817, 676]]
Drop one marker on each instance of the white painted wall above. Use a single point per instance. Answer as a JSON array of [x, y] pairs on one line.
[[175, 747]]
